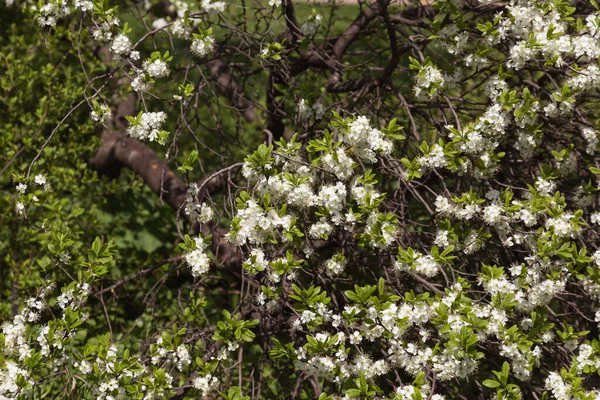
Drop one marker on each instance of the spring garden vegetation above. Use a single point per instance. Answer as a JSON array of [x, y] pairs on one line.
[[276, 199]]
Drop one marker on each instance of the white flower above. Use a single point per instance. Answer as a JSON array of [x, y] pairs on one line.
[[181, 29], [156, 69], [213, 7], [320, 229], [332, 197], [435, 159], [596, 257], [197, 258], [159, 23], [422, 265], [84, 367], [261, 298], [468, 211], [103, 32], [441, 238], [335, 266], [50, 13], [183, 357], [307, 316], [591, 137], [84, 5], [148, 126], [204, 46], [20, 207], [206, 383], [309, 28], [40, 179], [365, 141], [520, 54], [101, 114], [121, 45], [342, 167], [562, 226], [206, 213], [274, 3], [138, 84], [429, 80], [304, 110], [492, 214], [21, 188], [300, 196], [528, 217], [443, 206], [426, 265], [355, 338], [560, 389], [9, 375], [545, 187]]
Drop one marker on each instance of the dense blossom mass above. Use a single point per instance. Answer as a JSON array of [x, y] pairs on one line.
[[422, 223]]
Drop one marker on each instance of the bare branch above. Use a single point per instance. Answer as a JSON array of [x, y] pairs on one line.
[[229, 87]]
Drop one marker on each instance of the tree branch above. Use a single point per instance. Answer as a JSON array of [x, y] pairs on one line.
[[119, 150], [229, 87]]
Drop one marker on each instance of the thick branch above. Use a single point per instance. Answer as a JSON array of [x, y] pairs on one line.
[[275, 110], [358, 25], [330, 59], [291, 21], [119, 150], [389, 69]]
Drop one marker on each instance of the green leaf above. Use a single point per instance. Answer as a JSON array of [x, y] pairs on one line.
[[491, 383]]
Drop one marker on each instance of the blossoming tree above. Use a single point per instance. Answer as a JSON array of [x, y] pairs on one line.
[[275, 199]]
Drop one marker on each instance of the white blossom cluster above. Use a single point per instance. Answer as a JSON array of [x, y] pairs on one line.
[[197, 259], [156, 69], [181, 7], [311, 25], [8, 379], [435, 158], [338, 163], [213, 7], [422, 265], [203, 46], [306, 111], [294, 187], [203, 213], [103, 31], [313, 213], [428, 82], [74, 297], [50, 13], [200, 212], [182, 28], [164, 355], [256, 225], [335, 266], [366, 142], [121, 46], [148, 127], [111, 385], [591, 137], [102, 114], [206, 383]]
